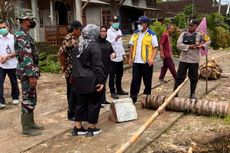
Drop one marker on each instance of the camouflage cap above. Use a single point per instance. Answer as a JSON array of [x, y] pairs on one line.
[[25, 14]]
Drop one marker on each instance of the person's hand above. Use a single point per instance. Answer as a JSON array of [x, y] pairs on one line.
[[33, 81], [130, 61], [193, 46], [99, 87], [63, 68], [150, 62], [0, 59], [118, 37], [113, 55], [162, 55], [201, 46], [4, 58]]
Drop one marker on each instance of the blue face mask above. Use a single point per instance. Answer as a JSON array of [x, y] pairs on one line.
[[116, 25], [4, 31]]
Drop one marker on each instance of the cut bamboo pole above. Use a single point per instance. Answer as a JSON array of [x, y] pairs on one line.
[[160, 110]]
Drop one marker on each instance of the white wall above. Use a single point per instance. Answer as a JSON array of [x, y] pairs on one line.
[[93, 15]]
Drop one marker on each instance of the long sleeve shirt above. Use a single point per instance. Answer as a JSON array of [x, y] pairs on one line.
[[189, 55], [116, 44], [68, 44], [27, 55]]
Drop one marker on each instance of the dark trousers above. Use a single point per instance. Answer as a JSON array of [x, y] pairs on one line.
[[88, 107], [192, 69], [139, 71], [103, 99], [14, 83], [70, 100], [168, 64], [115, 76]]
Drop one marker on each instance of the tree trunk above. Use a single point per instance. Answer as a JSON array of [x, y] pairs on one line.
[[201, 107]]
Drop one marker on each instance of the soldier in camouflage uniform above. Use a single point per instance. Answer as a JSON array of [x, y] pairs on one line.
[[27, 71], [65, 56]]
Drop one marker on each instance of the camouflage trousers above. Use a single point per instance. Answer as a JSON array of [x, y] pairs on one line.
[[29, 97]]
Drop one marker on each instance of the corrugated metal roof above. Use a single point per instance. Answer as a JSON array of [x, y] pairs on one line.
[[96, 2], [142, 8]]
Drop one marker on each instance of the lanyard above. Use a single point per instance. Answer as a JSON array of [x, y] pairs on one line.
[[8, 50]]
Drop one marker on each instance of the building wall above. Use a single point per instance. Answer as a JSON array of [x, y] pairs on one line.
[[93, 15], [142, 3]]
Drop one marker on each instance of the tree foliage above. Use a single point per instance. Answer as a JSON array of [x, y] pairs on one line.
[[189, 11], [180, 20], [7, 11], [159, 28]]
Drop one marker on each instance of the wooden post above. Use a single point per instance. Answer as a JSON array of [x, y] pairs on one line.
[[34, 6], [78, 5], [160, 110], [113, 5], [51, 12], [219, 7]]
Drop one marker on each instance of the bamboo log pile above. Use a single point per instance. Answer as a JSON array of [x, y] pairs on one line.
[[213, 70], [201, 107]]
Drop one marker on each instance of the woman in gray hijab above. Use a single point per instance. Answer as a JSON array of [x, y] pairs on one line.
[[88, 81]]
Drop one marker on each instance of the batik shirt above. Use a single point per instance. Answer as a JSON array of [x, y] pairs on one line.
[[69, 42], [27, 55]]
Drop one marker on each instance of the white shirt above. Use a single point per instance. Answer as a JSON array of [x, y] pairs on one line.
[[7, 47], [117, 45], [138, 58]]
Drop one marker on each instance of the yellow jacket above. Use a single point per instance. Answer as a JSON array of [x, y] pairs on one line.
[[146, 46]]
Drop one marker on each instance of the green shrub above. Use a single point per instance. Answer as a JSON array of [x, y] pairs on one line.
[[48, 57], [50, 67], [47, 48], [180, 20], [174, 39], [217, 30], [220, 37], [158, 28]]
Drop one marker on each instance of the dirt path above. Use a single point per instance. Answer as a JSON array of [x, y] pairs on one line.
[[206, 134], [51, 112]]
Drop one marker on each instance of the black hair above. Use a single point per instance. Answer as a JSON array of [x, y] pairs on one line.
[[103, 27], [74, 25], [4, 21]]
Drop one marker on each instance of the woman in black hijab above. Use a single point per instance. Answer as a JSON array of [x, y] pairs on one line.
[[107, 53], [88, 80]]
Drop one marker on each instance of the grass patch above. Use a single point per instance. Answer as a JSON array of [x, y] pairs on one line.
[[227, 119]]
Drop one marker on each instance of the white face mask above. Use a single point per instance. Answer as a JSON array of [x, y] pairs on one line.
[[140, 27]]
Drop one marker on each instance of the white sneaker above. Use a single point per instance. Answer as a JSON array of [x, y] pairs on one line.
[[2, 106], [15, 101]]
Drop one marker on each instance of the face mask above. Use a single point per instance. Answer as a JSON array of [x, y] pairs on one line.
[[140, 27], [32, 24], [115, 25], [4, 31]]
